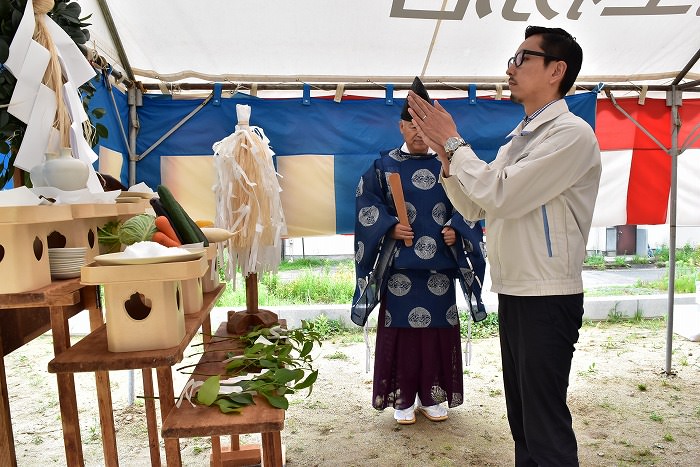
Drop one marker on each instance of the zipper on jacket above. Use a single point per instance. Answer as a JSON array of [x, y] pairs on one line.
[[547, 238]]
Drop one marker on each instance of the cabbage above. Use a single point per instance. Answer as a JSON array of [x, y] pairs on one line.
[[139, 228]]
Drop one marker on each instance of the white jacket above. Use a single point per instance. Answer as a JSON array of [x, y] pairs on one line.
[[537, 197]]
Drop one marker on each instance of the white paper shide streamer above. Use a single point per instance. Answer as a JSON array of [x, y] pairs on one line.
[[248, 199]]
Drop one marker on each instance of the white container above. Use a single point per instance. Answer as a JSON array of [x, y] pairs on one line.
[[65, 172]]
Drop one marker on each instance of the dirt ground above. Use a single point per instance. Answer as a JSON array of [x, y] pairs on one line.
[[626, 410]]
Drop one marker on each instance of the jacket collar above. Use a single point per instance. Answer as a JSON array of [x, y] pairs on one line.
[[551, 112]]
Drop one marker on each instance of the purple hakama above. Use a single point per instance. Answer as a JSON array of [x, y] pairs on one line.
[[410, 361]]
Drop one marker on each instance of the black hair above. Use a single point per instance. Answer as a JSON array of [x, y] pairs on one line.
[[559, 43]]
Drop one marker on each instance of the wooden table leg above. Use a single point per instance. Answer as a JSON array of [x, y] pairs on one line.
[[206, 331], [151, 422], [90, 299], [66, 391], [166, 396], [272, 449], [7, 441], [104, 404], [215, 460]]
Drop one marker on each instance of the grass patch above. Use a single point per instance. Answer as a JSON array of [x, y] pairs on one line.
[[337, 355], [314, 281], [485, 328]]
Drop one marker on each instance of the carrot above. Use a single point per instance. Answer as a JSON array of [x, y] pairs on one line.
[[164, 240], [163, 225]]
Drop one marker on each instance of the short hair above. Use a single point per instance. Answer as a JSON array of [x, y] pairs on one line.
[[559, 43]]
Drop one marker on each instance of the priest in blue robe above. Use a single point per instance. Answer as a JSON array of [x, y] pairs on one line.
[[418, 358]]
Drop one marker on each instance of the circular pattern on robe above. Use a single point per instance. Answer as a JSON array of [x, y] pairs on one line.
[[368, 215], [440, 213], [359, 251], [360, 188], [452, 315], [482, 247], [468, 275], [438, 283], [423, 179], [387, 319], [438, 394], [412, 212], [399, 284], [361, 284], [419, 317], [425, 247]]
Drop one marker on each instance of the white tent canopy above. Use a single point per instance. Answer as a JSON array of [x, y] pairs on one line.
[[358, 42]]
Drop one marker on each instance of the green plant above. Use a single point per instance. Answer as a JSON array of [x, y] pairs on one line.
[[642, 387], [621, 262], [596, 261], [66, 14], [326, 327], [283, 361], [615, 315], [668, 437], [337, 356], [485, 328], [656, 417], [685, 278], [636, 259]]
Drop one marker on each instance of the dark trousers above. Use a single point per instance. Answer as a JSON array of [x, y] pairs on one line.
[[537, 344]]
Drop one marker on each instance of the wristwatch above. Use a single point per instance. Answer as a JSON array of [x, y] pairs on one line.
[[452, 144]]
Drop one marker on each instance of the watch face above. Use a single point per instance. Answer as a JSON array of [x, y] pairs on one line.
[[452, 144]]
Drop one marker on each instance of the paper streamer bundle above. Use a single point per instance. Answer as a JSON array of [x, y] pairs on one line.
[[248, 199]]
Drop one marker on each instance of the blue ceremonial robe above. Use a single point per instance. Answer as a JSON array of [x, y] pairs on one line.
[[420, 290]]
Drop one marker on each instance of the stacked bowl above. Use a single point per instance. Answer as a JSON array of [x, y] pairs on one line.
[[65, 263]]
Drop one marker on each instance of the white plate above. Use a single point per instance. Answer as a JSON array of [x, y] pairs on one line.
[[66, 268], [65, 275], [112, 259]]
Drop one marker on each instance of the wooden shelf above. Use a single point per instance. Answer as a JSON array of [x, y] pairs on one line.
[[91, 354], [188, 421], [57, 293]]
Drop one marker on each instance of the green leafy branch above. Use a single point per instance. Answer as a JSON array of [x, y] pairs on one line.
[[284, 361]]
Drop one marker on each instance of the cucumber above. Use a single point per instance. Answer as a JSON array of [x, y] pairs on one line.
[[182, 222], [159, 209]]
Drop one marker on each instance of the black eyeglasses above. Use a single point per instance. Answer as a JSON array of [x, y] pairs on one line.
[[520, 56]]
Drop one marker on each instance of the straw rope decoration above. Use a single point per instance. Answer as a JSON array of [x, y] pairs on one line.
[[247, 199]]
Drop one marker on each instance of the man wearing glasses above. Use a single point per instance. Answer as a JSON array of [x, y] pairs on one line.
[[537, 197]]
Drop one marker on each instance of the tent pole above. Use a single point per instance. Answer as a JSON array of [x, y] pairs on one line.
[[675, 97], [131, 99]]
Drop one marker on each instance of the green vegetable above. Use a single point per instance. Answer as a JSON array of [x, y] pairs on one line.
[[182, 223], [108, 235], [139, 228]]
